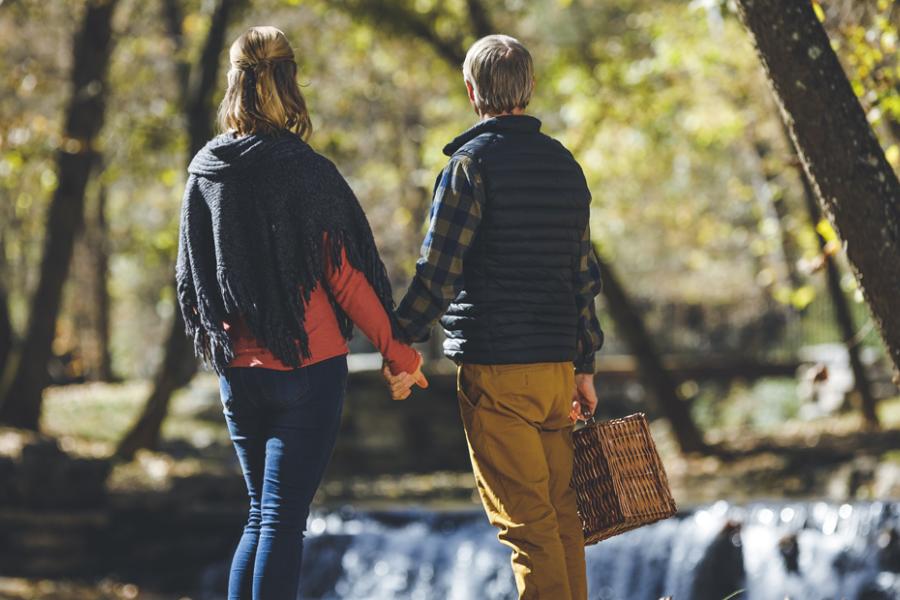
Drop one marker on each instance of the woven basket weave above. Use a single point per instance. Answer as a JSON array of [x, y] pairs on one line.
[[619, 479]]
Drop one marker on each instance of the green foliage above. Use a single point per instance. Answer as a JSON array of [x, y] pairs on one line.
[[663, 103], [866, 37]]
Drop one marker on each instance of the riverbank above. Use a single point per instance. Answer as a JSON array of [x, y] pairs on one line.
[[71, 513], [389, 452]]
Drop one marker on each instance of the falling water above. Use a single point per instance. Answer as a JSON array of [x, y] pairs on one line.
[[772, 551]]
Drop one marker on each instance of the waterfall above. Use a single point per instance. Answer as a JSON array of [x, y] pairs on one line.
[[772, 551]]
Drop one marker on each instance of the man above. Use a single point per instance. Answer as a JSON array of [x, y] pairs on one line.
[[508, 263]]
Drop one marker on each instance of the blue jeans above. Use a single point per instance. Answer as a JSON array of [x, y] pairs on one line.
[[283, 425]]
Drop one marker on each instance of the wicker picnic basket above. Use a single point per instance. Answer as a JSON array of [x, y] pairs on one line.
[[619, 479]]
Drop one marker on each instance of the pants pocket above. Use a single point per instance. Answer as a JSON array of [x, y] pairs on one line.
[[467, 400]]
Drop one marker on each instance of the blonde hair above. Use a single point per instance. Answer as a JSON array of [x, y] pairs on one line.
[[500, 70], [263, 95]]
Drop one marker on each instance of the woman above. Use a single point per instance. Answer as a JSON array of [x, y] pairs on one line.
[[276, 263]]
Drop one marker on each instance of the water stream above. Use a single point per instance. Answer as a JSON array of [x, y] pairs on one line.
[[772, 551]]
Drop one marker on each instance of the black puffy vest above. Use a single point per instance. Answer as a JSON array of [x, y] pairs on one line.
[[518, 299]]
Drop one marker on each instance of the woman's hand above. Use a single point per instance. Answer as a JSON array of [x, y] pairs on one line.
[[584, 399], [401, 384]]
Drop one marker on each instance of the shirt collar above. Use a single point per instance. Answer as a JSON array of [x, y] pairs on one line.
[[502, 124]]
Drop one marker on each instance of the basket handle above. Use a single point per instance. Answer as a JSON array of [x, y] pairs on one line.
[[590, 419]]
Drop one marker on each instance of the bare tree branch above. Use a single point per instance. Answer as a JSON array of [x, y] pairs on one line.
[[401, 19], [173, 18], [478, 16]]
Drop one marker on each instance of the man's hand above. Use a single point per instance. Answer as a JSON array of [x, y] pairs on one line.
[[584, 400], [401, 384]]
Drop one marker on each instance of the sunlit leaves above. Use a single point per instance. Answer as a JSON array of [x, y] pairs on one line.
[[194, 24], [48, 181], [818, 10], [11, 165], [651, 96], [798, 298], [893, 155], [659, 101], [868, 49], [825, 229]]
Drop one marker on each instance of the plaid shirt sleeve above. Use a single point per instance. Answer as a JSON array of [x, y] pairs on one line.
[[587, 285], [455, 216]]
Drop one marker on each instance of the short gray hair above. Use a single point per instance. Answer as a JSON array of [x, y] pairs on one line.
[[501, 73]]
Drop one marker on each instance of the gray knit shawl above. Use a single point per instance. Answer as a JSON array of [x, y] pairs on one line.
[[253, 218]]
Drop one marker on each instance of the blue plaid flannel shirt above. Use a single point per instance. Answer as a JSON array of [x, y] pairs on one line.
[[455, 215]]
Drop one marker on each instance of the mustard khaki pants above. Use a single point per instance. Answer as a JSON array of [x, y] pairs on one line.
[[520, 440]]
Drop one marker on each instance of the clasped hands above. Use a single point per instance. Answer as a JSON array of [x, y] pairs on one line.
[[584, 397], [402, 383]]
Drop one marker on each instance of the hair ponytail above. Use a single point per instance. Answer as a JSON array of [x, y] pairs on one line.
[[263, 95]]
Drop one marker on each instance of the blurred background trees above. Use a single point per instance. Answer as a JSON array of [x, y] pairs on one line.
[[701, 214], [197, 85], [75, 158]]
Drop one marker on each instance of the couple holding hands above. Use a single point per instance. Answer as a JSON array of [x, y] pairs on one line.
[[277, 263]]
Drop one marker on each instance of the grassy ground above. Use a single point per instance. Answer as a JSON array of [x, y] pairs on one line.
[[89, 419], [92, 417]]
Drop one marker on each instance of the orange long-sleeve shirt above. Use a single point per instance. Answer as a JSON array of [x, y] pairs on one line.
[[356, 297]]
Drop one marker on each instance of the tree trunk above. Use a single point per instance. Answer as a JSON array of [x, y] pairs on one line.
[[7, 335], [6, 332], [842, 313], [176, 371], [773, 207], [846, 166], [479, 18], [397, 17], [21, 400], [659, 382], [99, 241], [179, 364]]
